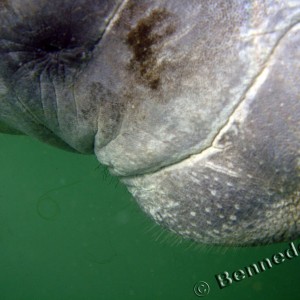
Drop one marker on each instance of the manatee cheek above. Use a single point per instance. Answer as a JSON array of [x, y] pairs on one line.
[[244, 189]]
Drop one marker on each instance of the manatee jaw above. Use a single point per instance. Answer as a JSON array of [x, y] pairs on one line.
[[205, 198]]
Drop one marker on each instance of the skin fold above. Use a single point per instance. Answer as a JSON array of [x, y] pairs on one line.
[[194, 105]]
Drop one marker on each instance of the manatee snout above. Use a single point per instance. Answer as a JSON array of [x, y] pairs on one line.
[[194, 105]]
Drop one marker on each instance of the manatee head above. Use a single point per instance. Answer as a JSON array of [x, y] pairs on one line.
[[194, 105]]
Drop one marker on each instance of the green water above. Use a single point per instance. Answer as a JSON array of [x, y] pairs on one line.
[[70, 231]]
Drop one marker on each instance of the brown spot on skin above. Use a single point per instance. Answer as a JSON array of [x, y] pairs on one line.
[[3, 4], [146, 40]]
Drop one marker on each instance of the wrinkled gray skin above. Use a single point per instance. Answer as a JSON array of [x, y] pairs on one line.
[[195, 105]]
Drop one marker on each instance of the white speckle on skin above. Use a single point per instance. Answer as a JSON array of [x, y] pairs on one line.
[[236, 206], [230, 165], [232, 218], [158, 218], [171, 204], [192, 213], [221, 216], [208, 222], [213, 192], [153, 211], [219, 205], [207, 209], [187, 232]]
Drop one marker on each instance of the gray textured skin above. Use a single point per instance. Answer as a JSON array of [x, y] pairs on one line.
[[194, 104]]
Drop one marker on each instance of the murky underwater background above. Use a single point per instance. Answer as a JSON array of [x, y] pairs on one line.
[[68, 230]]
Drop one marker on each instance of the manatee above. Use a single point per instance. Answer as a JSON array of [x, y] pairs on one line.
[[194, 105]]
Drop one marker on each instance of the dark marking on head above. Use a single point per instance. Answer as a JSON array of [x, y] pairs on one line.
[[146, 40]]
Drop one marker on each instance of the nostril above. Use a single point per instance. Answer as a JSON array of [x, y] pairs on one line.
[[51, 44], [53, 37], [58, 44]]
